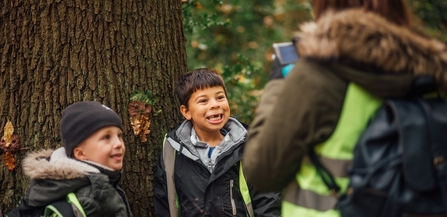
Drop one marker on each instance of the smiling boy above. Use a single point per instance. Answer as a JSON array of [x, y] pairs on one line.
[[105, 147], [199, 171], [89, 165]]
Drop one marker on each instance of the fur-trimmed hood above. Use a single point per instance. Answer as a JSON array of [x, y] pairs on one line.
[[54, 175], [54, 164], [369, 39]]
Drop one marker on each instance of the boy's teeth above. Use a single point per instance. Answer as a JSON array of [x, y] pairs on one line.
[[215, 117]]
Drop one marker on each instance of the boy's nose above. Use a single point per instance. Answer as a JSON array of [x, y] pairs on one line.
[[119, 142], [214, 104]]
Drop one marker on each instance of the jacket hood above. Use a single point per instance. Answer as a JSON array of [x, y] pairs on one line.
[[368, 39], [235, 130], [184, 140], [54, 164]]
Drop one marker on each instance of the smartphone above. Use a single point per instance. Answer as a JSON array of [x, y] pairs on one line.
[[285, 52]]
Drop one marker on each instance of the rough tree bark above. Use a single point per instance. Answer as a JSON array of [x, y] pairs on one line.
[[54, 53]]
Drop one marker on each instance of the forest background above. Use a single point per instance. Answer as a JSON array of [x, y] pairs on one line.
[[126, 54], [236, 37]]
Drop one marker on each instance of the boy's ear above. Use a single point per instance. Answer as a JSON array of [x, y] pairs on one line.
[[79, 154], [185, 112]]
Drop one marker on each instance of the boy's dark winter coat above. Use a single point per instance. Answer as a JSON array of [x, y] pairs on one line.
[[202, 193], [54, 175]]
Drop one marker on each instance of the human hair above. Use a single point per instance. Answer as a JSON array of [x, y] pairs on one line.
[[196, 79], [395, 11]]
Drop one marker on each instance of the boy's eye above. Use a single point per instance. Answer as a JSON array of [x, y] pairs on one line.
[[107, 136], [202, 100], [221, 97]]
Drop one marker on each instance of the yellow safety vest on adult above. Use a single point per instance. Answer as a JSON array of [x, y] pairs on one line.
[[309, 196]]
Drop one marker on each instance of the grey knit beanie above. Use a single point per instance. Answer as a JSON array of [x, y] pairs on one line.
[[82, 119]]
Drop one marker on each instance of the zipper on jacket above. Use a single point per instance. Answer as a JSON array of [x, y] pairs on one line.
[[233, 204], [210, 166]]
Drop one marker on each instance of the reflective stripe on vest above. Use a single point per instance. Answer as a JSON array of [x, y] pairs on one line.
[[174, 204], [309, 196]]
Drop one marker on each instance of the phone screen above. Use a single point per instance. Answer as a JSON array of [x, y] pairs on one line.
[[285, 52]]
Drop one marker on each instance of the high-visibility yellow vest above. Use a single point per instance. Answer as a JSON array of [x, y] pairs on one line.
[[309, 196]]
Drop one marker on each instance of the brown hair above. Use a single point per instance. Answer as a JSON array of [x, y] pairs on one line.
[[197, 79], [395, 11]]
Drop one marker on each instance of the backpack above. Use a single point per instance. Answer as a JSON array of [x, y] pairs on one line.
[[70, 207], [399, 161]]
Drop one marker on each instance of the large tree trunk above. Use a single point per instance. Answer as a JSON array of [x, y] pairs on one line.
[[54, 53]]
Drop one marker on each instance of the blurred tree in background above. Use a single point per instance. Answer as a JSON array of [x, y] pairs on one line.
[[432, 14], [236, 36]]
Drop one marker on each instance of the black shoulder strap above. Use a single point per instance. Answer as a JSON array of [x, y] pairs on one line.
[[324, 173]]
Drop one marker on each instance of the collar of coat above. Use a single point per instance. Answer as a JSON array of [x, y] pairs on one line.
[[367, 38], [54, 164]]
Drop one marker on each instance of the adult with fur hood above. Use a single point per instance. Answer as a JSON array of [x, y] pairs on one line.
[[369, 46]]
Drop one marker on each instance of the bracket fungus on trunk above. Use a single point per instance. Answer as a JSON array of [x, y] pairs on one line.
[[9, 144], [139, 108]]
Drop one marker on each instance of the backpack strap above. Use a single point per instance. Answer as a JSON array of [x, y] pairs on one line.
[[435, 116], [59, 208], [71, 198], [245, 192], [64, 208], [169, 163], [324, 173]]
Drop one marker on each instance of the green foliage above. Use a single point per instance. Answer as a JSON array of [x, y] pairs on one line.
[[195, 22], [235, 38], [143, 96], [432, 13], [243, 95]]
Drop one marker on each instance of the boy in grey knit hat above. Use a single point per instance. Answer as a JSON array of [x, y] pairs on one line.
[[81, 178]]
